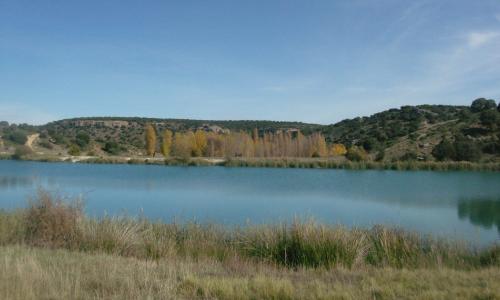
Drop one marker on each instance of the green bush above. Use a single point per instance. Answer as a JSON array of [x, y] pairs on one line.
[[82, 139], [462, 149], [444, 151], [466, 150], [490, 119], [112, 148], [17, 137], [74, 150]]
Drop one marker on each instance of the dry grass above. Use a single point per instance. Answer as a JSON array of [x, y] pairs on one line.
[[34, 273]]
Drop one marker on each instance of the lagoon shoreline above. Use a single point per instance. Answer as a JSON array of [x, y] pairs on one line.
[[279, 162]]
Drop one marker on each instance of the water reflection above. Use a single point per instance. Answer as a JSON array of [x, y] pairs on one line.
[[423, 201], [11, 182], [482, 212]]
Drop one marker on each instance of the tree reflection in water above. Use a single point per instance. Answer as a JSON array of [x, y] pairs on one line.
[[7, 182], [483, 212]]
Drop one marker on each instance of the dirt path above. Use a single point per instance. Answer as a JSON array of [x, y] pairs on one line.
[[31, 139]]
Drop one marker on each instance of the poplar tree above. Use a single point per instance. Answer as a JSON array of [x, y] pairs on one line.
[[321, 145], [166, 143], [200, 139], [150, 140]]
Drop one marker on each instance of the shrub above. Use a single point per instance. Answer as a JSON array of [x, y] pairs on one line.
[[338, 150], [409, 156], [380, 155], [50, 222], [369, 144], [82, 139], [17, 137], [490, 118], [46, 144], [112, 148], [444, 150], [466, 150], [74, 150], [461, 150], [21, 152], [356, 154], [492, 147]]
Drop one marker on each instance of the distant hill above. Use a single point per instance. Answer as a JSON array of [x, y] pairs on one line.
[[413, 132], [423, 132]]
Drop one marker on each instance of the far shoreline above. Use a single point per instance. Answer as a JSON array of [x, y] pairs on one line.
[[278, 162]]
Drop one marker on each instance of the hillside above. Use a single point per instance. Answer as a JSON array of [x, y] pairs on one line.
[[424, 132], [413, 132]]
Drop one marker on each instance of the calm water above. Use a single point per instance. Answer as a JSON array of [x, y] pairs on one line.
[[463, 205]]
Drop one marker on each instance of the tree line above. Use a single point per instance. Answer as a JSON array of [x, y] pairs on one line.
[[239, 144]]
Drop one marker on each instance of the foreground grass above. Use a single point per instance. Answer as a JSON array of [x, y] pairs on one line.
[[32, 273], [51, 250]]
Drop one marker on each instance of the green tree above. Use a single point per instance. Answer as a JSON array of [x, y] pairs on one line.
[[17, 137], [112, 148], [82, 139], [445, 150], [466, 150], [369, 144], [482, 104], [490, 118]]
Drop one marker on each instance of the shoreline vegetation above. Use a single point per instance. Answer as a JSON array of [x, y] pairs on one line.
[[424, 137], [293, 162], [52, 250]]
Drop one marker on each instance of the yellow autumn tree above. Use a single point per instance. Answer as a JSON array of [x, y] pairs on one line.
[[321, 145], [181, 146], [338, 150], [150, 140], [200, 140], [215, 145], [166, 143], [299, 141], [316, 145]]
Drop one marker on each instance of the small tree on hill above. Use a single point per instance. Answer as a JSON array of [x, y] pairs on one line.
[[482, 104], [444, 150], [490, 119]]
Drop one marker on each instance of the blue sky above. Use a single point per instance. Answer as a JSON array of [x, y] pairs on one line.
[[312, 61]]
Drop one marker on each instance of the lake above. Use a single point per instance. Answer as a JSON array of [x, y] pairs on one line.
[[458, 205]]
